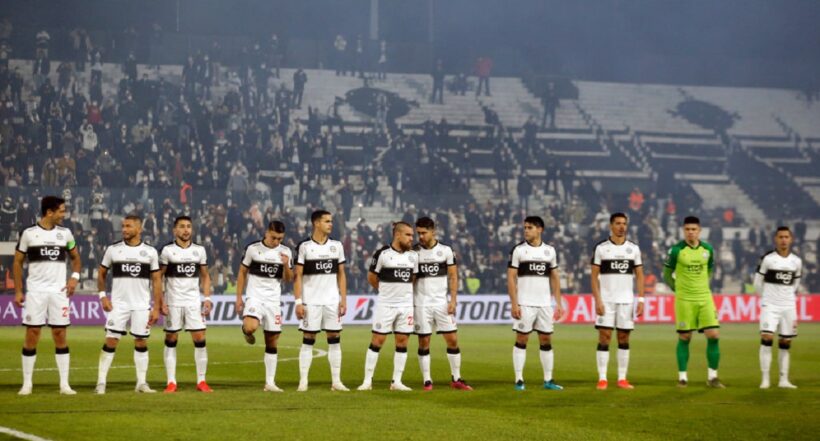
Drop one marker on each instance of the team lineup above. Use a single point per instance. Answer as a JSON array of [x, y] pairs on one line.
[[417, 289]]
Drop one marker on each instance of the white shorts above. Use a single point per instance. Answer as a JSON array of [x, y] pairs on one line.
[[187, 318], [321, 318], [269, 314], [534, 318], [618, 316], [434, 316], [119, 318], [780, 319], [42, 308], [390, 319]]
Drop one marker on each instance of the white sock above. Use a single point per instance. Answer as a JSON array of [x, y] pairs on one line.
[[63, 361], [370, 361], [519, 358], [424, 364], [603, 360], [270, 368], [399, 360], [141, 363], [334, 357], [623, 363], [201, 361], [170, 357], [547, 360], [765, 360], [455, 365], [305, 359], [105, 363], [711, 373], [682, 376], [28, 369], [783, 361]]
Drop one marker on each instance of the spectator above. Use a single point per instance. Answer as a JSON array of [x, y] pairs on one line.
[[438, 83], [299, 80], [483, 69], [550, 101], [381, 63], [340, 54]]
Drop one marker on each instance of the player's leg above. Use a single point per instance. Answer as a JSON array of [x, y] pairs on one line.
[[604, 324], [310, 326], [140, 330], [195, 324], [114, 330], [251, 316], [372, 356], [403, 326], [446, 326], [34, 318], [624, 324], [768, 327], [59, 320], [788, 331], [271, 360], [709, 325], [522, 328], [544, 327], [332, 325], [173, 324], [684, 319], [424, 330]]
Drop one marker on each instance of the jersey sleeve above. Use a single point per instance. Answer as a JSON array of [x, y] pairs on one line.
[[596, 257], [70, 243], [415, 263], [154, 260], [514, 259], [300, 254], [22, 242], [799, 272], [341, 254], [106, 259], [672, 257], [762, 266], [638, 257], [289, 253], [451, 257], [246, 258], [376, 262], [203, 259], [554, 261], [710, 265], [163, 256]]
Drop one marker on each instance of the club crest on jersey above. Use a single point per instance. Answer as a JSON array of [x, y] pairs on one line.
[[111, 323], [629, 250], [143, 253], [705, 254], [28, 318], [333, 248], [439, 253], [132, 269], [539, 268], [196, 253], [59, 236], [51, 253]]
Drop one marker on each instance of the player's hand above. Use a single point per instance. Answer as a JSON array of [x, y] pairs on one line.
[[300, 311], [70, 286], [559, 313], [206, 307], [164, 309], [599, 308], [106, 304], [639, 311], [19, 299], [451, 308], [240, 305], [285, 259], [515, 311], [342, 309], [154, 318]]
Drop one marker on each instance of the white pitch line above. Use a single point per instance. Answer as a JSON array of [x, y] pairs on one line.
[[317, 354], [21, 435]]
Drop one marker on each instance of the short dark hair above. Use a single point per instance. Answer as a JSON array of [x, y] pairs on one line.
[[276, 226], [400, 224], [425, 222], [691, 220], [50, 203], [182, 218], [133, 217], [616, 216], [316, 215], [783, 228], [535, 220]]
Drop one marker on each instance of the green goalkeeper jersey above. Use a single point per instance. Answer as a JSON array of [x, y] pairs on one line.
[[693, 268]]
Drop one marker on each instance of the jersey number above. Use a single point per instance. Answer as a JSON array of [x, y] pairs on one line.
[[65, 311]]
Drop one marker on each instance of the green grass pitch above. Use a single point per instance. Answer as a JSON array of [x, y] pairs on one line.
[[238, 409]]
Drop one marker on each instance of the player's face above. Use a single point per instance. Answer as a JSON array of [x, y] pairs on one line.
[[783, 240], [426, 236], [618, 227], [532, 232], [404, 236], [324, 224], [274, 238], [691, 232], [131, 229], [183, 230], [57, 216]]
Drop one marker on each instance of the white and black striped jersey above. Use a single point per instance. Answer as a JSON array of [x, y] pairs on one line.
[[395, 270], [46, 252], [779, 277], [534, 266], [183, 266], [320, 268], [431, 285], [265, 271], [617, 265], [131, 268]]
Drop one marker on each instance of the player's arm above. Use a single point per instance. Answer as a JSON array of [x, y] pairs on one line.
[[205, 286], [17, 269], [512, 291], [639, 282], [758, 277], [241, 279], [373, 280], [156, 286], [452, 284], [162, 270], [669, 267], [341, 280], [555, 288], [297, 290], [287, 270], [76, 267], [102, 274], [595, 283]]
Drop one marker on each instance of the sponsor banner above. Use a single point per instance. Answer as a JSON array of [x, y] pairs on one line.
[[478, 309]]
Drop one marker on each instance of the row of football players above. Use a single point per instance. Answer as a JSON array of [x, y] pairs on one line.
[[413, 284]]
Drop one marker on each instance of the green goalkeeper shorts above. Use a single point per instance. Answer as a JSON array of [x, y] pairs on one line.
[[699, 315]]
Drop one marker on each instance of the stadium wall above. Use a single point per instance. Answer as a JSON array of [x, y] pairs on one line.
[[481, 309]]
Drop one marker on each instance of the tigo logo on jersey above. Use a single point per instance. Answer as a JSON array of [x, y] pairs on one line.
[[538, 268], [270, 270], [402, 274], [429, 268], [51, 253], [189, 269], [132, 269], [784, 276], [620, 266], [327, 266]]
